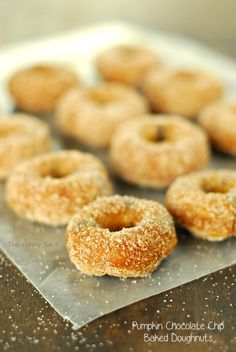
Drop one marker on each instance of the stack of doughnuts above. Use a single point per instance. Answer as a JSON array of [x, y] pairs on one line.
[[110, 234]]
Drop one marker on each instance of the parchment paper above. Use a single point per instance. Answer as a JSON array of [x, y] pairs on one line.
[[39, 251]]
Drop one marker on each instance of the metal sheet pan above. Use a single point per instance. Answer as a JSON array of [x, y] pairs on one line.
[[39, 251]]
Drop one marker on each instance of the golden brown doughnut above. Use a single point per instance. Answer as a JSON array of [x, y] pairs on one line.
[[219, 121], [183, 92], [51, 188], [120, 236], [37, 89], [205, 203], [93, 114], [153, 151], [21, 137], [126, 63]]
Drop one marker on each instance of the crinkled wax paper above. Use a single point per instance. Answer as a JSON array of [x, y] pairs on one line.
[[39, 251]]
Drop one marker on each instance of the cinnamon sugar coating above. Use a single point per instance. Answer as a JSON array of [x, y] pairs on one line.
[[37, 89], [93, 114], [126, 63], [21, 137], [120, 236], [51, 188], [183, 92], [219, 121], [152, 151], [205, 203]]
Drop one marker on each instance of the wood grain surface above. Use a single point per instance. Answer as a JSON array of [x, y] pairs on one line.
[[28, 323]]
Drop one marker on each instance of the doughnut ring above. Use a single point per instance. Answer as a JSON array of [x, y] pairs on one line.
[[37, 89], [126, 63], [51, 188], [219, 121], [182, 92], [153, 151], [205, 203], [93, 114], [120, 236], [21, 137]]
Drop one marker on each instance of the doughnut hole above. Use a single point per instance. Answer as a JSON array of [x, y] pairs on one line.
[[101, 96], [43, 70], [185, 76], [118, 222], [128, 52], [156, 136], [58, 169], [161, 133], [216, 186]]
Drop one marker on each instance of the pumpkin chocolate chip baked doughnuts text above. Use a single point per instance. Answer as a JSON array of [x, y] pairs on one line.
[[219, 121], [21, 137], [92, 114], [205, 203], [120, 236], [153, 151], [37, 89], [126, 63], [51, 188], [182, 92]]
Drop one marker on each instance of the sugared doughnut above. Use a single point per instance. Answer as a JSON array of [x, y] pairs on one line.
[[219, 121], [183, 92], [126, 63], [153, 151], [120, 236], [205, 203], [93, 114], [21, 137], [37, 89], [50, 189]]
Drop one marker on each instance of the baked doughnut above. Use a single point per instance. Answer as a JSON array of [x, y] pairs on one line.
[[21, 137], [205, 203], [183, 92], [126, 63], [37, 89], [120, 236], [51, 188], [219, 121], [93, 114], [153, 151]]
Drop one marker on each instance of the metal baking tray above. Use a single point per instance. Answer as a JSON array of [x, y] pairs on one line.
[[39, 251]]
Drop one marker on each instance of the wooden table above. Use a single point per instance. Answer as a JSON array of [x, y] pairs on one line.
[[28, 323]]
